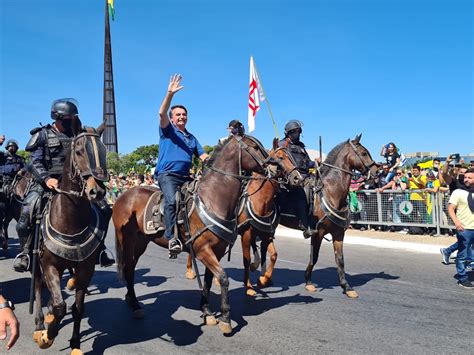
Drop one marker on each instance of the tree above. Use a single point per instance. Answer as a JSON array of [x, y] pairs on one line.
[[114, 162], [24, 154]]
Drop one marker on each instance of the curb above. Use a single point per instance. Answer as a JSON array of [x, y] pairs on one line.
[[357, 240]]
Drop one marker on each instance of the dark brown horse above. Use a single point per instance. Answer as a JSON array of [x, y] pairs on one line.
[[330, 209], [258, 217], [216, 198], [71, 229]]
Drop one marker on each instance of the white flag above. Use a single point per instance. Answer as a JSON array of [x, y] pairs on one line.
[[255, 95]]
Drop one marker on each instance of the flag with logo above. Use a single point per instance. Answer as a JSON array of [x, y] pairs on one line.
[[256, 95]]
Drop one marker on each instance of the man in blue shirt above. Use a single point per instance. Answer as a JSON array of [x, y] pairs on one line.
[[177, 147]]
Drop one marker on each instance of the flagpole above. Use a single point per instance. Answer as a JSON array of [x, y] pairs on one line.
[[266, 100]]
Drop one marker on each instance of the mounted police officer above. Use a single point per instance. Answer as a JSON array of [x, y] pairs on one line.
[[10, 164], [48, 146], [297, 197]]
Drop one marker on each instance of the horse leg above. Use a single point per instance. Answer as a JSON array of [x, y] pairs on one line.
[[71, 283], [190, 274], [211, 263], [131, 253], [39, 316], [337, 243], [266, 279], [207, 315], [83, 276], [246, 243], [315, 247], [5, 234], [256, 262], [45, 338]]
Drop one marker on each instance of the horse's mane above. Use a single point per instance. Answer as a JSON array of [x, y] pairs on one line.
[[332, 157], [215, 154]]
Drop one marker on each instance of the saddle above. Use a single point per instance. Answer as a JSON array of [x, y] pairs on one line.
[[75, 247], [153, 218]]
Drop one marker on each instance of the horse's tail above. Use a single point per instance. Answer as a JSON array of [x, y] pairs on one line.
[[119, 252]]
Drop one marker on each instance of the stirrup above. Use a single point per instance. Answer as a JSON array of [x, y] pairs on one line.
[[173, 254], [19, 256]]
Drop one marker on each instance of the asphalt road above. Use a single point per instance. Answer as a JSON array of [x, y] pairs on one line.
[[409, 303]]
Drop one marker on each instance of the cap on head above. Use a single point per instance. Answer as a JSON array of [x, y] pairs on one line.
[[235, 124], [237, 127], [292, 125], [64, 107]]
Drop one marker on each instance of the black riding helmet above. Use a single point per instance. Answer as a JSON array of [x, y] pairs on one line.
[[64, 107], [237, 127], [292, 125], [11, 143]]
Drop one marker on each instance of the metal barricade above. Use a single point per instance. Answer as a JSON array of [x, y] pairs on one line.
[[401, 208]]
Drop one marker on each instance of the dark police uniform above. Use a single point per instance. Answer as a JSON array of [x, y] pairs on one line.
[[296, 197], [48, 148], [10, 165]]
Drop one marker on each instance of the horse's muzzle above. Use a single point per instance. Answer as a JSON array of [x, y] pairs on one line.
[[295, 178]]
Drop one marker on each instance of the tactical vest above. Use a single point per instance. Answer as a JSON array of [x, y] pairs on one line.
[[12, 164], [300, 156], [57, 145]]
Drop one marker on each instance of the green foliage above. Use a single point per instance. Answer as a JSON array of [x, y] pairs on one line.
[[24, 154], [140, 160]]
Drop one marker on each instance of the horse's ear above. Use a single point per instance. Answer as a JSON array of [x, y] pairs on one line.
[[357, 138], [100, 129], [275, 143], [76, 126]]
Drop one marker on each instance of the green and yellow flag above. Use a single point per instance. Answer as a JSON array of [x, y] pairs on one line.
[[111, 9]]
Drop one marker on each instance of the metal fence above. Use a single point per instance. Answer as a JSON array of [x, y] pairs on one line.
[[401, 209]]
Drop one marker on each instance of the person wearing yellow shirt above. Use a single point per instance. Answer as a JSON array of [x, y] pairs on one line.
[[416, 181]]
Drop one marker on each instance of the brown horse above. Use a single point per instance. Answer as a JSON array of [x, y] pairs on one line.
[[215, 199], [258, 217], [330, 210], [71, 229]]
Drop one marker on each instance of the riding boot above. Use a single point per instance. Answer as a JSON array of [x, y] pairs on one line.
[[22, 260], [103, 257]]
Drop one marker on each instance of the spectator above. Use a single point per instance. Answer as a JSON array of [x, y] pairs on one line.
[[436, 167], [390, 153], [461, 211], [398, 183], [454, 182], [416, 181]]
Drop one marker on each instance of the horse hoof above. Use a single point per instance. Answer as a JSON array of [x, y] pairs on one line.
[[225, 327], [41, 338], [216, 282], [250, 292], [264, 282], [76, 352], [210, 320], [49, 318], [311, 288], [352, 294], [253, 267], [190, 275], [138, 314], [71, 284]]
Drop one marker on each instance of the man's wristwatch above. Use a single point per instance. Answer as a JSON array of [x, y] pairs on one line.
[[7, 304]]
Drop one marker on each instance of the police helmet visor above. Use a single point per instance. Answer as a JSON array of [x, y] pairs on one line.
[[64, 108], [12, 143]]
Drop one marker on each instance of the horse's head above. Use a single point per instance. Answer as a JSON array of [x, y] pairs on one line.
[[360, 158], [88, 160], [285, 162], [253, 156]]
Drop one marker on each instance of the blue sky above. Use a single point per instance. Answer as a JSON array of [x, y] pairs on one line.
[[398, 71]]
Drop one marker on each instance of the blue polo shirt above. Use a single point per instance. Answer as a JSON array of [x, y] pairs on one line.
[[176, 151]]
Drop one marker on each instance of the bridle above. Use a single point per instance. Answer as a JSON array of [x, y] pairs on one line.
[[262, 163], [367, 168], [74, 170]]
